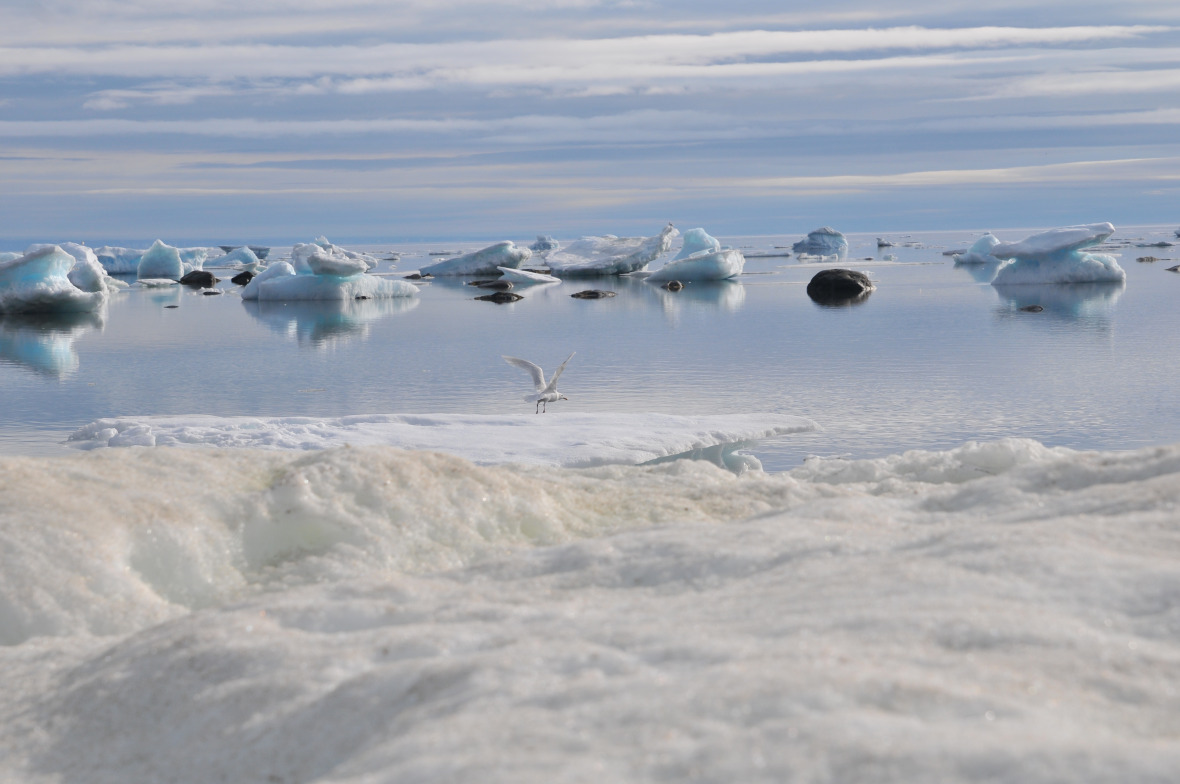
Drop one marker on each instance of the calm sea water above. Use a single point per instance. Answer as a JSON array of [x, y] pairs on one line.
[[933, 358]]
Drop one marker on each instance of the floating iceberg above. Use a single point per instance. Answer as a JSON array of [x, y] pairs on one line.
[[980, 252], [125, 261], [567, 440], [161, 261], [87, 274], [39, 282], [610, 255], [519, 277], [544, 244], [239, 258], [1057, 256], [280, 281], [824, 241], [482, 262], [701, 258], [330, 256]]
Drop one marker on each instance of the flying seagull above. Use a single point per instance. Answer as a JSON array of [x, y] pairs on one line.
[[546, 392]]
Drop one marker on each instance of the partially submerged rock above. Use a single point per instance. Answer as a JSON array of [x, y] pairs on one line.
[[839, 287], [593, 294], [199, 279], [500, 297]]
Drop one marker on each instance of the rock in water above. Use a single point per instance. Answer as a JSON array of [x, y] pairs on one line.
[[202, 279], [839, 287], [242, 278], [500, 297], [593, 294]]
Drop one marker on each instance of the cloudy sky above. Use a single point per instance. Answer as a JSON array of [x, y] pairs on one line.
[[366, 120]]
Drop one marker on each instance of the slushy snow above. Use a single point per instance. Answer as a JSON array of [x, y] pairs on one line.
[[1058, 256], [824, 241], [610, 255], [569, 440], [1001, 611], [486, 261]]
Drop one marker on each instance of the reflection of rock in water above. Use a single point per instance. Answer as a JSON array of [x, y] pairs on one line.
[[839, 288], [320, 322], [44, 342], [1082, 301]]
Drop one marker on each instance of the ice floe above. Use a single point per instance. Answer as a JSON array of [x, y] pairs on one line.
[[701, 258], [1058, 256], [610, 255], [567, 439], [239, 258], [980, 251], [822, 242], [485, 261], [40, 282], [161, 261], [519, 277], [329, 256], [544, 244], [280, 281]]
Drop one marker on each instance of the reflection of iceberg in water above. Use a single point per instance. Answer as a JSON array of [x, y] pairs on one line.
[[44, 342], [1093, 302], [323, 321], [724, 295], [981, 272]]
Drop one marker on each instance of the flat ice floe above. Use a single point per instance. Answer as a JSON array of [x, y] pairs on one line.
[[519, 277], [609, 255], [568, 440], [1057, 256], [997, 612], [486, 261]]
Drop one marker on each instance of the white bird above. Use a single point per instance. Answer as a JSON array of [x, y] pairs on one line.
[[546, 392]]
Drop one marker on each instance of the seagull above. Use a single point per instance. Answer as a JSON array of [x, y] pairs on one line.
[[546, 393]]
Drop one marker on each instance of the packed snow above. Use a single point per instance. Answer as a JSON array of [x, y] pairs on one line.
[[40, 282], [610, 255], [280, 281], [1001, 611], [823, 242], [1058, 256], [486, 261], [571, 440]]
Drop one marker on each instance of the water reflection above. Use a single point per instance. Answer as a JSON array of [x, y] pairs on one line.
[[984, 272], [1090, 302], [44, 342], [323, 322], [725, 295]]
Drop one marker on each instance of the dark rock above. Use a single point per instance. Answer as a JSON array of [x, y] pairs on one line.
[[838, 287], [199, 279], [242, 278], [673, 285], [1031, 309], [593, 294], [1174, 269], [170, 307], [211, 292], [1147, 259], [362, 296], [500, 297], [418, 276]]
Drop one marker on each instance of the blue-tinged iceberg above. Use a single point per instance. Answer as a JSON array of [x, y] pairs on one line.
[[824, 241], [701, 258], [544, 244], [125, 261], [1058, 256], [486, 261], [980, 252], [610, 255], [322, 280], [239, 258], [39, 282], [87, 273], [161, 261]]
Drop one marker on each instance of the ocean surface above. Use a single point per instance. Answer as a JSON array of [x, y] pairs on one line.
[[961, 561]]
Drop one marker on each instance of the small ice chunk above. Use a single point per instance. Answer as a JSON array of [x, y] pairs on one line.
[[1057, 256], [239, 258], [610, 255], [697, 241], [326, 263], [703, 265], [160, 261], [824, 241], [119, 261], [980, 252], [520, 277], [39, 282], [482, 262]]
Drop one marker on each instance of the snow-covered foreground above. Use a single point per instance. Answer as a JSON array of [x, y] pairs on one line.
[[999, 612]]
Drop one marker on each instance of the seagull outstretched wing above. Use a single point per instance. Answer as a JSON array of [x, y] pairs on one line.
[[552, 386], [534, 371]]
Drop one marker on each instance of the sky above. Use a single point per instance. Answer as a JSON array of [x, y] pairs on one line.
[[374, 121]]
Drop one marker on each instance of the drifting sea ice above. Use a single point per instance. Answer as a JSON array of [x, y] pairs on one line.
[[87, 274], [980, 251], [701, 258], [544, 244], [997, 612], [330, 256], [239, 258], [519, 277], [161, 261], [1057, 256], [280, 281], [610, 255], [486, 261], [824, 241], [40, 282]]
